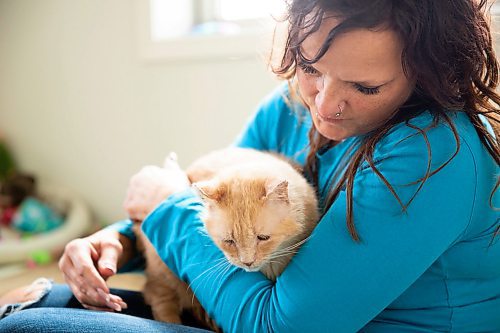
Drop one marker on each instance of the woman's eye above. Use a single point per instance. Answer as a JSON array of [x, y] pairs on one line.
[[367, 90], [228, 241], [263, 237], [308, 69]]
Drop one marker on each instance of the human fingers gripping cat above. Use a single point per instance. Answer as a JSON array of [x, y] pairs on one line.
[[87, 263], [151, 185]]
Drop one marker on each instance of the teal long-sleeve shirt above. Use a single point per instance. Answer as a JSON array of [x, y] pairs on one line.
[[434, 267]]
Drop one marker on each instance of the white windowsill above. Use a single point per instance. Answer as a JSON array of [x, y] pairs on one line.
[[203, 47]]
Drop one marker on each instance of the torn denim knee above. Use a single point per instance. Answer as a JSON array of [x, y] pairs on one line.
[[9, 309]]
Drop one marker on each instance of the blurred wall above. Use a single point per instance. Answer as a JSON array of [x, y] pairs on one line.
[[80, 107]]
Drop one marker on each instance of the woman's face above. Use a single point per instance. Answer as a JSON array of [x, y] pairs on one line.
[[361, 73]]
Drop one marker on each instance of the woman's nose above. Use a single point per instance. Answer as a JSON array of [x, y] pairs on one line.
[[327, 101]]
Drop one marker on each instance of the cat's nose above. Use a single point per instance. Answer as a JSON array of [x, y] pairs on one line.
[[248, 264]]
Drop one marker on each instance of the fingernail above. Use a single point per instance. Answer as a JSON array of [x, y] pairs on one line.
[[115, 298], [103, 294], [115, 306], [110, 267]]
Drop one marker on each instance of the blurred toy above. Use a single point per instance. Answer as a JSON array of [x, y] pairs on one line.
[[39, 258], [34, 216], [36, 220], [77, 221], [6, 216]]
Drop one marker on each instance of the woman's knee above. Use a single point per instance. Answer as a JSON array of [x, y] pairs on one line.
[[57, 320], [29, 320]]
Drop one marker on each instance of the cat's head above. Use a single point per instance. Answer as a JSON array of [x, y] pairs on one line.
[[250, 220]]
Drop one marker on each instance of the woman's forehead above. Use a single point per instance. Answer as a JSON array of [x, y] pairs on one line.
[[357, 50]]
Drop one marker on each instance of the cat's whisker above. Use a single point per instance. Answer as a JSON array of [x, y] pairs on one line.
[[209, 272], [293, 246], [286, 251], [222, 272], [202, 262], [278, 256], [282, 253], [204, 274], [290, 248], [215, 275]]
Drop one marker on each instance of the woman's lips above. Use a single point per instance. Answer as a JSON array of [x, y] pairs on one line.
[[328, 119]]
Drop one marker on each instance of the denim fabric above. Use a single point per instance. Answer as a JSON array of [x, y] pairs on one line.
[[59, 311]]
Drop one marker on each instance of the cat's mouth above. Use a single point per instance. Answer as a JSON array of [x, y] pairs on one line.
[[252, 268]]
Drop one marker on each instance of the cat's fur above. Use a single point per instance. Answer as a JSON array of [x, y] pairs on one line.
[[258, 210]]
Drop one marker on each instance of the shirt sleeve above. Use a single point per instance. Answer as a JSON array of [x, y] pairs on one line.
[[350, 282], [124, 227]]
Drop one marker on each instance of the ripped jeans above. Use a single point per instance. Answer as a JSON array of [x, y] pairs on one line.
[[57, 311]]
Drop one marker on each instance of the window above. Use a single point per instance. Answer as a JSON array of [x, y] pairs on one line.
[[233, 10], [174, 18], [200, 29]]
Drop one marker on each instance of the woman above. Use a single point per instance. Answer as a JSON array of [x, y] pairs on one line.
[[389, 108]]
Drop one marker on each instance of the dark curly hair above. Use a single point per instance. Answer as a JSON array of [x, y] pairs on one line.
[[447, 46]]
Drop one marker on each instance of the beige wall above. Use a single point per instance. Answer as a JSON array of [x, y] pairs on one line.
[[80, 107]]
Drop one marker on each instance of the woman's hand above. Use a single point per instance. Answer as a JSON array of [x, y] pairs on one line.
[[88, 262], [150, 186]]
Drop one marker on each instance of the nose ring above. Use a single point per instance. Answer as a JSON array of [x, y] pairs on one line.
[[340, 111], [338, 114]]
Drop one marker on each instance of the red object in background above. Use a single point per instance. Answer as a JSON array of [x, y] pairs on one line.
[[7, 215]]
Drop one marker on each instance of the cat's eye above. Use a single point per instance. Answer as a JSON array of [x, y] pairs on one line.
[[228, 241], [263, 237]]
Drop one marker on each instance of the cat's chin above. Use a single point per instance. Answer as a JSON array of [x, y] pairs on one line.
[[249, 269]]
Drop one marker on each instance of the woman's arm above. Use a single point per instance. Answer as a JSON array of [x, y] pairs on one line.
[[350, 282]]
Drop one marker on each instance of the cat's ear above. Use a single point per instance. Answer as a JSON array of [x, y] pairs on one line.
[[209, 190], [277, 191]]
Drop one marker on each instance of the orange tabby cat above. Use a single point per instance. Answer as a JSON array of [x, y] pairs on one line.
[[258, 210]]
